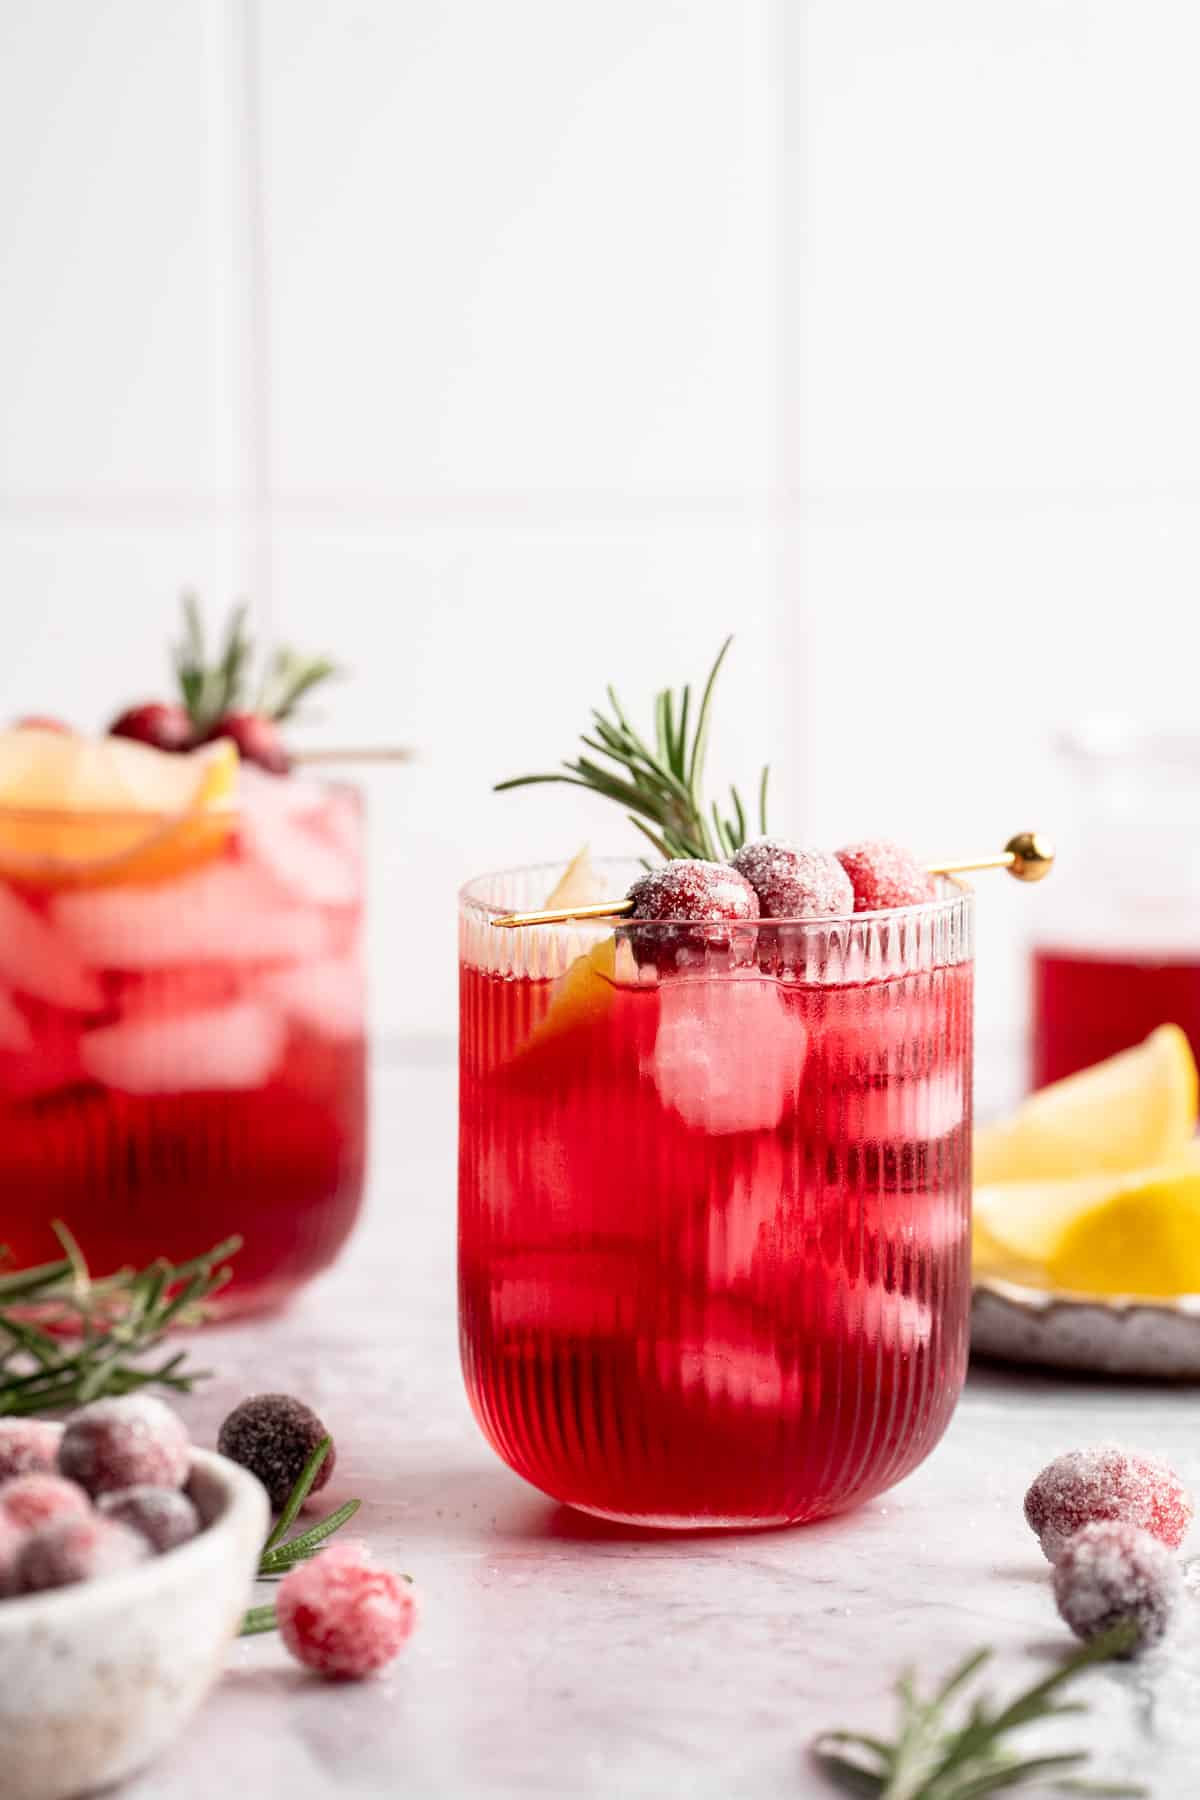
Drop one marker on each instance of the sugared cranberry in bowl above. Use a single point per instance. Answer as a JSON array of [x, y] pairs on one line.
[[689, 909], [161, 725], [97, 1625]]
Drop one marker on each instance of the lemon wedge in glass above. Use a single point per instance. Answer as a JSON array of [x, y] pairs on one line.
[[80, 811]]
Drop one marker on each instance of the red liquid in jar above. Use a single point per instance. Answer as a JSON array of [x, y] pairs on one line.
[[184, 1060], [714, 1254], [1090, 1005]]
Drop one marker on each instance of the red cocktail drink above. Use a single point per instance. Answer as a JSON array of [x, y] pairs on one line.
[[1089, 1004], [714, 1246], [182, 1040]]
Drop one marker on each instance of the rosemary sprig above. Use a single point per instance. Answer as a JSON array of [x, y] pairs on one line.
[[931, 1760], [211, 689], [279, 1556], [66, 1339], [661, 787]]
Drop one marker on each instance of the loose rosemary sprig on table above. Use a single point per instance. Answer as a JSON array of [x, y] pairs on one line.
[[66, 1339], [663, 785], [279, 1556], [931, 1760]]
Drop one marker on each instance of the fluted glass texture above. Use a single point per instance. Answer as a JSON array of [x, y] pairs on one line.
[[714, 1203]]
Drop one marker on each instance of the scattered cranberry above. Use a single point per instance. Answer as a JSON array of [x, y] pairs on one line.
[[257, 738], [1086, 1486], [703, 894], [884, 875], [162, 726], [73, 1550], [1111, 1572], [164, 1517], [37, 1498], [273, 1436], [135, 1441], [27, 1446], [793, 883], [12, 1538], [343, 1617]]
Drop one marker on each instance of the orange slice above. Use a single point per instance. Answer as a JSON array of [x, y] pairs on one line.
[[81, 812]]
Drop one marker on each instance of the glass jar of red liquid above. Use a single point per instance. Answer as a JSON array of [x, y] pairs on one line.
[[1117, 950], [182, 1058], [714, 1257]]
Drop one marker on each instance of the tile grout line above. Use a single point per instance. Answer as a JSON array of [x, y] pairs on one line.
[[785, 31], [253, 379]]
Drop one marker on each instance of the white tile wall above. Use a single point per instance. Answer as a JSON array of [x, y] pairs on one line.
[[510, 350]]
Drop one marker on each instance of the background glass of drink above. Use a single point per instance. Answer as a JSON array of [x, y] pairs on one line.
[[714, 1251], [183, 1058], [1117, 950]]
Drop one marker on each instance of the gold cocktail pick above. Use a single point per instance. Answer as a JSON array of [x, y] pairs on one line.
[[1029, 856], [369, 753]]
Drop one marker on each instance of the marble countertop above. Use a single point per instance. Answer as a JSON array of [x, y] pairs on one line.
[[561, 1658]]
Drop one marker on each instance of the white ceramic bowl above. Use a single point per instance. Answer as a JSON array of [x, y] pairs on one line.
[[95, 1680]]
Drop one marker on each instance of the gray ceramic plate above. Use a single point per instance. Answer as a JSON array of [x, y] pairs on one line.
[[1110, 1336]]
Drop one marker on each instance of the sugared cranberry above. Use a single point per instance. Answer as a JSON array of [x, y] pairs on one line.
[[706, 896], [36, 1499], [257, 739], [885, 875], [28, 1446], [163, 1516], [1112, 1572], [343, 1617], [273, 1436], [73, 1550], [162, 726], [1086, 1486], [792, 883], [134, 1441], [12, 1539]]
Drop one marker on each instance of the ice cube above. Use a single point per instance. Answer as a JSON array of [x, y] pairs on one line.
[[327, 996], [293, 798], [729, 1053], [228, 1047], [739, 1220], [573, 1292], [37, 960], [223, 913], [736, 1370], [303, 861], [897, 1321], [921, 1108], [14, 1027]]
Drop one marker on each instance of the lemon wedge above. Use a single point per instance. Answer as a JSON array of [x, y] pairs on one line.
[[583, 995], [580, 883], [77, 811], [1136, 1233], [1134, 1111]]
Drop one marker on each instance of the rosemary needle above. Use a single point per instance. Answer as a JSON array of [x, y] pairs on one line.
[[279, 1556], [661, 784], [67, 1339], [930, 1759]]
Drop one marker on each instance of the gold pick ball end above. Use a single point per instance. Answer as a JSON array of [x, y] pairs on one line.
[[1032, 855]]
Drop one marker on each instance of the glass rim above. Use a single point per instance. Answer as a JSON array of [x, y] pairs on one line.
[[960, 892], [228, 810]]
